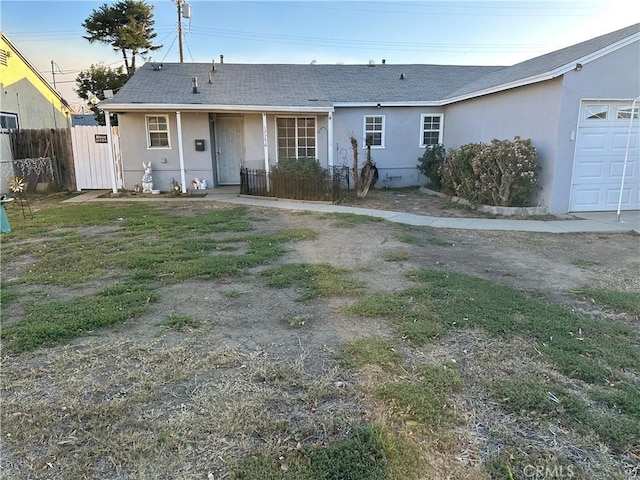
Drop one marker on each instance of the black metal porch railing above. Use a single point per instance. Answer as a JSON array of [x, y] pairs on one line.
[[331, 185]]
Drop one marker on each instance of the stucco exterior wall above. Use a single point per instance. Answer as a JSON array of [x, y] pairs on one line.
[[397, 161], [529, 112], [165, 162], [547, 113], [599, 79], [26, 94]]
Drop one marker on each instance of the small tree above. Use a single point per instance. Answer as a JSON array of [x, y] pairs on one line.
[[369, 174], [430, 164], [127, 26], [95, 81]]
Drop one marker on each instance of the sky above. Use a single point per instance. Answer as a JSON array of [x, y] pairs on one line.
[[478, 32]]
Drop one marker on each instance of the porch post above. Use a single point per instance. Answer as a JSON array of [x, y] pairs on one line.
[[112, 163], [180, 152], [330, 139], [265, 144]]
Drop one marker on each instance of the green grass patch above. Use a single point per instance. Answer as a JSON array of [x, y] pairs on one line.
[[405, 237], [61, 216], [439, 242], [628, 302], [623, 398], [6, 296], [584, 262], [396, 256], [411, 312], [55, 322], [317, 280], [166, 224], [589, 349], [370, 351], [179, 322], [617, 426], [359, 456], [348, 220], [426, 400]]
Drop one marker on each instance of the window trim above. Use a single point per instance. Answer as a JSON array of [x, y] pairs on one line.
[[297, 146], [421, 143], [629, 108], [13, 115], [149, 131], [594, 116], [365, 131]]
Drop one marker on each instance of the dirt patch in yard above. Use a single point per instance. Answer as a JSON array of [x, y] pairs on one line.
[[256, 369]]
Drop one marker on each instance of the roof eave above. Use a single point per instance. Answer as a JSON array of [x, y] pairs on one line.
[[547, 75], [66, 104], [141, 107], [383, 103]]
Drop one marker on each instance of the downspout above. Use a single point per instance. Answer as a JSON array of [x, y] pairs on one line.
[[265, 143], [330, 139], [626, 156], [112, 163], [181, 153]]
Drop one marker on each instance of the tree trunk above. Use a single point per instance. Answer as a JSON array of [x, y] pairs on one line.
[[356, 178]]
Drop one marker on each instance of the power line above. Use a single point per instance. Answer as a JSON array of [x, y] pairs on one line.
[[362, 44]]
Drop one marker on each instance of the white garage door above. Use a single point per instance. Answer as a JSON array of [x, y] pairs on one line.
[[601, 144]]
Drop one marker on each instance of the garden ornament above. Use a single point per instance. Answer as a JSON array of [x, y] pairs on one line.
[[147, 179]]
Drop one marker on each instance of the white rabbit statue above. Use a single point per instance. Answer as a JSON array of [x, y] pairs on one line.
[[147, 179]]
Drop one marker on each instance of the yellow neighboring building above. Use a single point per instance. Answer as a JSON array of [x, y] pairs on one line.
[[27, 101]]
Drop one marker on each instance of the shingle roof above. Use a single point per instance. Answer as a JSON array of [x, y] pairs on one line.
[[546, 64], [295, 85]]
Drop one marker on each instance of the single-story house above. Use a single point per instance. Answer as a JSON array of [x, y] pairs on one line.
[[206, 121]]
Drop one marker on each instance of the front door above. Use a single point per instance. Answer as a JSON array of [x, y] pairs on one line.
[[229, 149]]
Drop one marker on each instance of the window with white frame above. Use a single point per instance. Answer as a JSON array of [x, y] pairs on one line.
[[596, 112], [624, 112], [8, 121], [296, 137], [430, 129], [158, 131], [374, 131]]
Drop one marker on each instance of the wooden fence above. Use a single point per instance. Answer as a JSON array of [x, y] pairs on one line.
[[92, 158], [42, 156]]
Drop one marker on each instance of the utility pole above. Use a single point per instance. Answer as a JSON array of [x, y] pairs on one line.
[[184, 10], [53, 74], [179, 4]]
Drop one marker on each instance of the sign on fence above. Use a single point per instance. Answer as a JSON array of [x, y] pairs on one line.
[[92, 158]]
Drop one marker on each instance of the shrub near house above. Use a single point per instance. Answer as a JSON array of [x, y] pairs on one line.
[[300, 179], [502, 173]]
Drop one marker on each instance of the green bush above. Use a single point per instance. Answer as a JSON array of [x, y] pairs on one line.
[[501, 173], [303, 166], [430, 164], [457, 173], [300, 179]]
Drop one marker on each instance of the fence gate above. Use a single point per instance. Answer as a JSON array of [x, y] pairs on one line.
[[92, 159]]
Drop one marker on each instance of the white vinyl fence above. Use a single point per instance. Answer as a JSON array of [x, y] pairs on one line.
[[92, 159]]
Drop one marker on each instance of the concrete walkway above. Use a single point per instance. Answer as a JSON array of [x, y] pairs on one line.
[[578, 223]]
